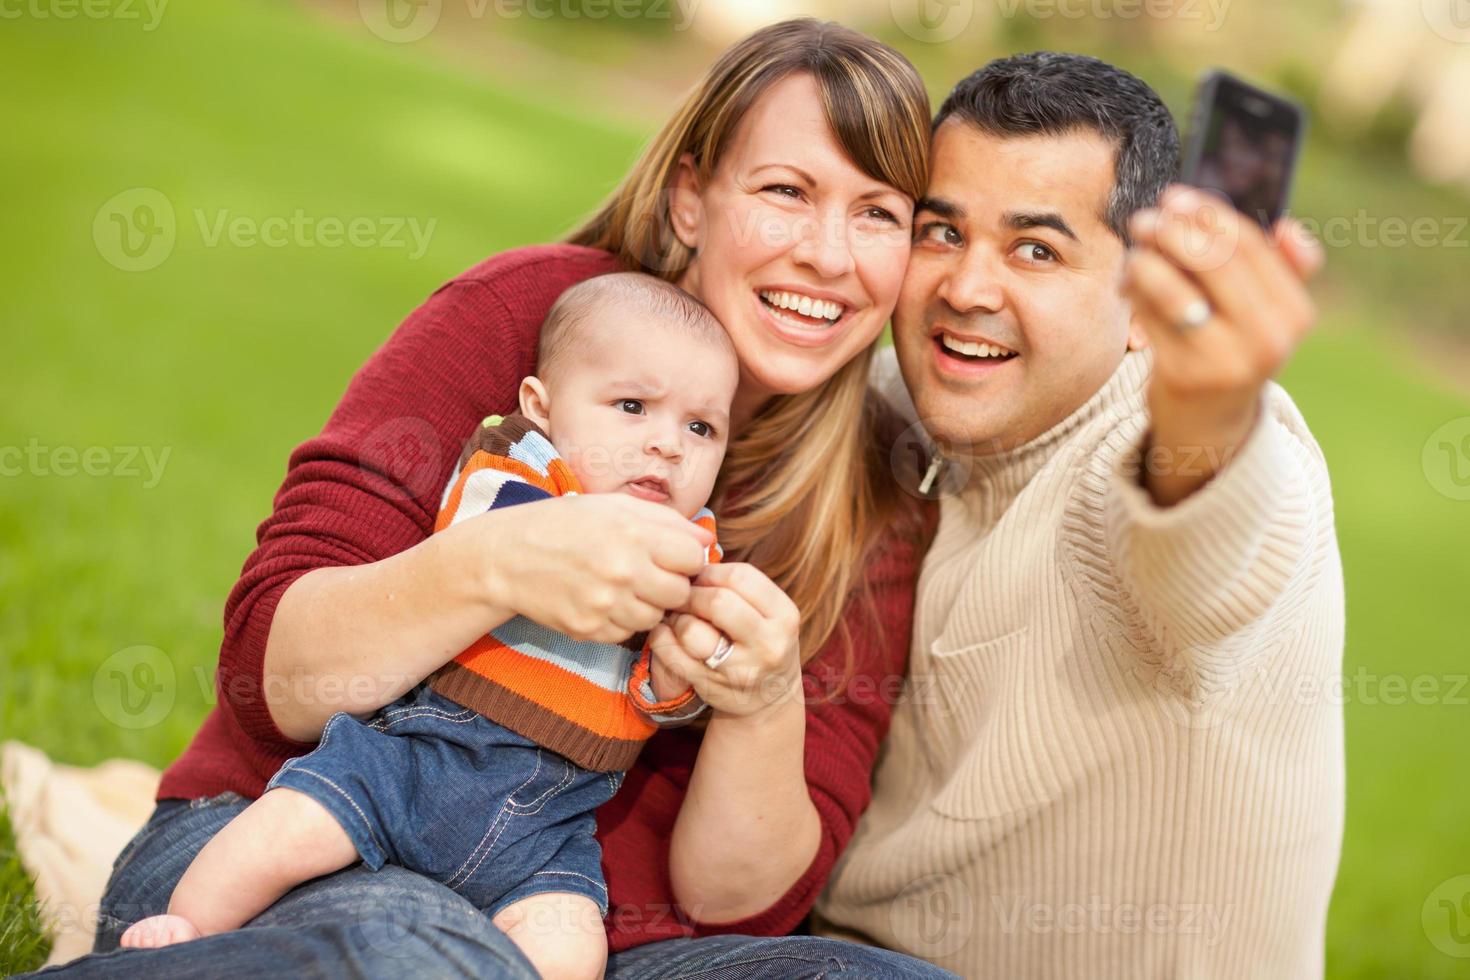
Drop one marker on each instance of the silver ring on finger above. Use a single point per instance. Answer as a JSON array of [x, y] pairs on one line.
[[1194, 316], [723, 649]]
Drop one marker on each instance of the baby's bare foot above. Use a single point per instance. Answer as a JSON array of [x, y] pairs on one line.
[[158, 930]]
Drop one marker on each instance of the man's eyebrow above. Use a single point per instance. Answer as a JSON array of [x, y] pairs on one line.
[[942, 207], [1021, 220]]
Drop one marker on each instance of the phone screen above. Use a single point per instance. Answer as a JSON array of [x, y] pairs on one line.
[[1244, 145]]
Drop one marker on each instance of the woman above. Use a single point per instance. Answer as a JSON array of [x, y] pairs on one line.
[[780, 194]]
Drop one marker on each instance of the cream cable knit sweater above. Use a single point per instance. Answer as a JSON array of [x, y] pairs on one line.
[[1120, 753]]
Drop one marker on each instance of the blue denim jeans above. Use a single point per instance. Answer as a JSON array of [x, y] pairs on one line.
[[394, 923], [438, 788]]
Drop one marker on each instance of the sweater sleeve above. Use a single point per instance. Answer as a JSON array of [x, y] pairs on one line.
[[844, 728], [670, 713], [1212, 577], [368, 486]]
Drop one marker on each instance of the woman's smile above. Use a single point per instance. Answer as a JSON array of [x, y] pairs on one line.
[[804, 317]]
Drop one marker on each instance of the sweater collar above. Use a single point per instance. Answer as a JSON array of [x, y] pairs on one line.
[[1006, 473]]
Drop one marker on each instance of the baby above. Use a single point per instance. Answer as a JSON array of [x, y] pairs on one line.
[[486, 776]]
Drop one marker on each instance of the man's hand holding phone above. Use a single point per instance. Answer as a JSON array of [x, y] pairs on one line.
[[1217, 279], [1220, 328]]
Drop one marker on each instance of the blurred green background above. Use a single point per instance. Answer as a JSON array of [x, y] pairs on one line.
[[209, 362]]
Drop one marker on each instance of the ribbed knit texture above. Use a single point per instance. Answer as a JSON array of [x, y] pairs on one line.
[[1119, 754], [590, 702], [345, 501]]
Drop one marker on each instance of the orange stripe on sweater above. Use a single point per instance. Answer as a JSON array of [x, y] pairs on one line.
[[609, 714]]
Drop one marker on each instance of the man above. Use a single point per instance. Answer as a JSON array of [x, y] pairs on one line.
[[1117, 756]]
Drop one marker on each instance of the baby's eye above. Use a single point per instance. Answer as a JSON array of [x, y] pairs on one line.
[[632, 406], [702, 429]]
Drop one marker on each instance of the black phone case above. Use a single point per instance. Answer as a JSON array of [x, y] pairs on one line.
[[1205, 98]]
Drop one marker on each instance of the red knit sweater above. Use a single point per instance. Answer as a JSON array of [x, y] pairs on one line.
[[367, 487]]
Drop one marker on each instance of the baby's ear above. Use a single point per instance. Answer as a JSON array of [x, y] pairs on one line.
[[535, 402]]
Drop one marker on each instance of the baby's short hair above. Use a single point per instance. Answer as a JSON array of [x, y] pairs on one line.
[[577, 309]]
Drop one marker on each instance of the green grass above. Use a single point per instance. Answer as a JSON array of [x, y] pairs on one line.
[[227, 357], [22, 944]]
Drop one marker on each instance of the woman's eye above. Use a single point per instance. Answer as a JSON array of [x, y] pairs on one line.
[[631, 406], [702, 429], [1036, 252], [940, 233], [881, 214], [785, 190]]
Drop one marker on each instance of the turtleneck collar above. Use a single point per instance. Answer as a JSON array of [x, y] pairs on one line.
[[1004, 474]]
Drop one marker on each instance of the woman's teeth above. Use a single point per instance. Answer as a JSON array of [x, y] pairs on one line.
[[970, 348], [819, 309]]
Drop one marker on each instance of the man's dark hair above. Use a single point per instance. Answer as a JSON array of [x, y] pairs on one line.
[[1049, 93]]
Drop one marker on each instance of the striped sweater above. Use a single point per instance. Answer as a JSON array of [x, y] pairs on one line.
[[591, 702]]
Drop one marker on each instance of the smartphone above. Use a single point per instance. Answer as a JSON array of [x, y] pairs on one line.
[[1243, 143]]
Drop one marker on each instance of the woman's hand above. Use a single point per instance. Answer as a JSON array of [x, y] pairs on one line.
[[593, 566], [738, 600]]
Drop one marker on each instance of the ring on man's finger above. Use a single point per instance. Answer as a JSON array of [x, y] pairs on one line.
[[1194, 316], [723, 649]]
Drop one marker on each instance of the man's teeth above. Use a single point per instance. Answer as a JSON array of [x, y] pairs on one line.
[[805, 305], [973, 349]]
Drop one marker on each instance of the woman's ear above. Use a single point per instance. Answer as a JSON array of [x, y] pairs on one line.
[[535, 402], [686, 208]]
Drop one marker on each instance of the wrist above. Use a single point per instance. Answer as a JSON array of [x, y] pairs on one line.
[[1191, 440], [1198, 418], [775, 700], [477, 548], [666, 684]]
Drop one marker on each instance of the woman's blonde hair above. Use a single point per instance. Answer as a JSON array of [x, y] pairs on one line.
[[812, 492]]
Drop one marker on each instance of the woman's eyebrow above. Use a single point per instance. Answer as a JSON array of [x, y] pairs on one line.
[[786, 166]]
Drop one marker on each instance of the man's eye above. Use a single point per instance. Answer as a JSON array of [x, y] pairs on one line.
[[939, 233], [632, 406], [1035, 252], [702, 429]]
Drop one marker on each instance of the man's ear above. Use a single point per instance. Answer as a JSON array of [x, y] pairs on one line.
[[535, 402], [1137, 336], [686, 207]]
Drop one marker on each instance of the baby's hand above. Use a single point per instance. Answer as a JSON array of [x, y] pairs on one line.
[[666, 683]]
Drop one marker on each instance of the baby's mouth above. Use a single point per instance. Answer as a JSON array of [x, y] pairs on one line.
[[651, 488]]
